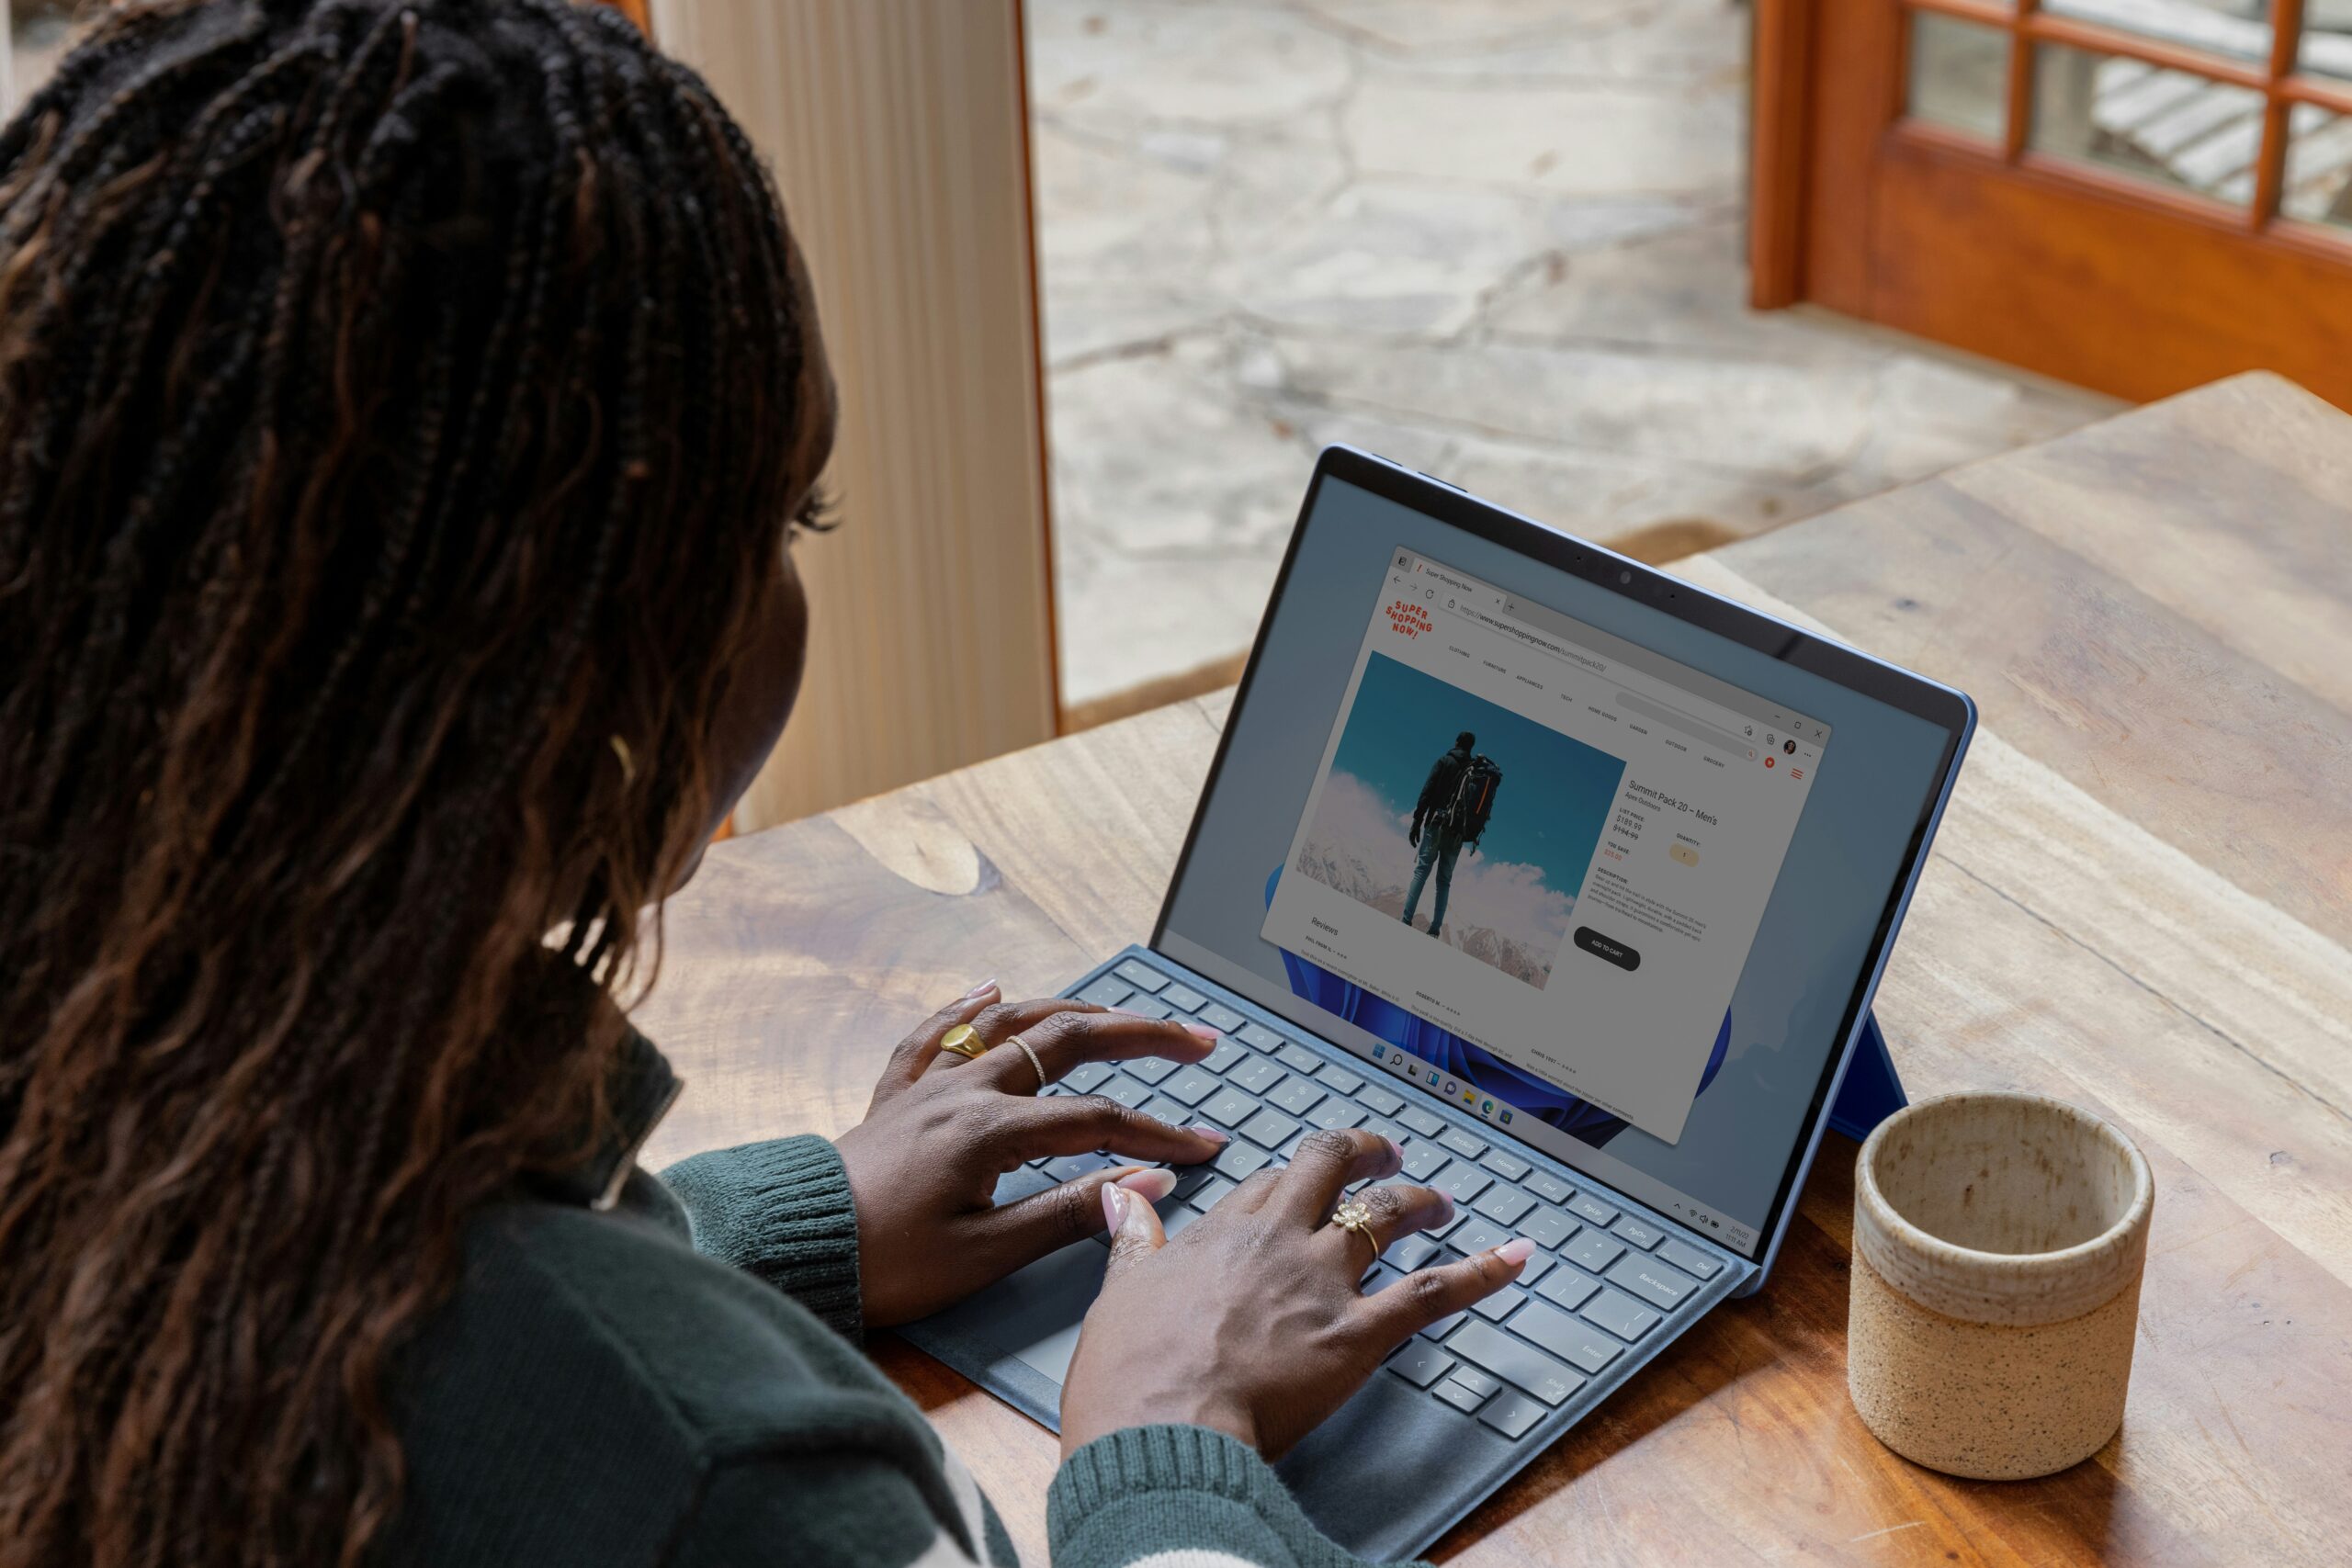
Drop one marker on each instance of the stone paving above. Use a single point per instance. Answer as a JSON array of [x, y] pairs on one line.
[[1498, 240]]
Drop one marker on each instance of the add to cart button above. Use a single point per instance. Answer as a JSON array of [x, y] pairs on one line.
[[1608, 947]]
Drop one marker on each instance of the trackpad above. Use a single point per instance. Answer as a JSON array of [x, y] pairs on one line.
[[1036, 1313]]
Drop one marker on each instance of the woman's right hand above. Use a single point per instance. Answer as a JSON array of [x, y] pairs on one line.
[[1252, 1321]]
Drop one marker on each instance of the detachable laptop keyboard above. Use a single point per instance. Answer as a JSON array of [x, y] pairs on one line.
[[1603, 1280], [1463, 1406]]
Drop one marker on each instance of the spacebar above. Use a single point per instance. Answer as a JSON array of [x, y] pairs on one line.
[[1513, 1362]]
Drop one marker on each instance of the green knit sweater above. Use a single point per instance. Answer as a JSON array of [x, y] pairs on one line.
[[672, 1378]]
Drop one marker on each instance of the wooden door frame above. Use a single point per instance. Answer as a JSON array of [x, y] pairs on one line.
[[2042, 261]]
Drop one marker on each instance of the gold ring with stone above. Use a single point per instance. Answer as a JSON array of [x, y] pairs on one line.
[[965, 1041], [1356, 1215]]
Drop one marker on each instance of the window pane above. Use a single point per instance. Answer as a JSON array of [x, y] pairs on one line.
[[2319, 166], [1960, 73], [2168, 127], [2238, 28], [2327, 41]]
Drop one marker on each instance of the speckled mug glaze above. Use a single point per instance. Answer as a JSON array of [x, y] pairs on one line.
[[1998, 1243]]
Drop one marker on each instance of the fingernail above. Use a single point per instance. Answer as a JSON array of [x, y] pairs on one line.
[[1516, 1251], [982, 989], [1213, 1135], [1150, 1185], [1202, 1031], [1115, 1206]]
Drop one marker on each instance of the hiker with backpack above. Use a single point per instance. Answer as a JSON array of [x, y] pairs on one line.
[[1457, 800]]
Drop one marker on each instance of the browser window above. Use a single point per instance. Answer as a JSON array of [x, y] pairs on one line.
[[1545, 845]]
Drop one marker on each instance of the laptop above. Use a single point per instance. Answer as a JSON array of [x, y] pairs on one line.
[[1573, 878]]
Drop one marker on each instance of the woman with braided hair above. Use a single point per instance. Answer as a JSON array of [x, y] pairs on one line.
[[406, 412]]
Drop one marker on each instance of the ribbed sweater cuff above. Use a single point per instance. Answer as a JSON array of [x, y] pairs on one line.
[[1150, 1489], [781, 1210]]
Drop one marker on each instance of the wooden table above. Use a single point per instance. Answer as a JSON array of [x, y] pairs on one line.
[[2140, 901]]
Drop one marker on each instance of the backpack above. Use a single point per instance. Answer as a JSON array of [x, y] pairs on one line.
[[1473, 801]]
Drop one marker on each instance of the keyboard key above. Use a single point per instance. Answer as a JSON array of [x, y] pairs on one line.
[[1689, 1258], [1511, 1167], [1231, 1108], [1633, 1233], [1462, 1181], [1592, 1251], [1383, 1103], [1339, 1080], [1462, 1143], [1476, 1381], [1107, 992], [1477, 1237], [1221, 1018], [1191, 1179], [1420, 1364], [1503, 1205], [1622, 1315], [1141, 976], [1445, 1325], [1182, 997], [1151, 1069], [1175, 1217], [1259, 1036], [1160, 1108], [1464, 1399], [1418, 1120], [1388, 1130], [1269, 1127], [1423, 1160], [1538, 1264], [1289, 1151], [1335, 1113], [1568, 1288], [1565, 1338], [1070, 1168], [1378, 1277], [1298, 1096], [1515, 1361], [1257, 1075], [1511, 1415], [1225, 1057], [1192, 1085], [1125, 1091], [1550, 1187], [1146, 1007], [1591, 1210], [1444, 1228], [1086, 1077], [1547, 1227], [1236, 1161], [1409, 1252], [1205, 1197], [1298, 1058], [1501, 1304], [1650, 1281]]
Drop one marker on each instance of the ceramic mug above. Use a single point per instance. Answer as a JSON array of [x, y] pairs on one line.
[[1998, 1243]]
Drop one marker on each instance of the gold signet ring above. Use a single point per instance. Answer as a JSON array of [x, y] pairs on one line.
[[966, 1042]]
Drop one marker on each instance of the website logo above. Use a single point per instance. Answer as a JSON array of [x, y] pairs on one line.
[[1407, 618]]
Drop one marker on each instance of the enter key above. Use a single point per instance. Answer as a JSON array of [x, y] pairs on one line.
[[1645, 1277]]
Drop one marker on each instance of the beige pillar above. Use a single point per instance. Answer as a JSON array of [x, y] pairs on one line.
[[898, 131]]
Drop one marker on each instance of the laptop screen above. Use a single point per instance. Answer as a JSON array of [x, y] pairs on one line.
[[1591, 873]]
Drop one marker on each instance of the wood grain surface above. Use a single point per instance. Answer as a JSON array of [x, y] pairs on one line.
[[2140, 902]]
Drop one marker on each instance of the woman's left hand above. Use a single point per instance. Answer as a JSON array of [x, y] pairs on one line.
[[923, 1165]]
